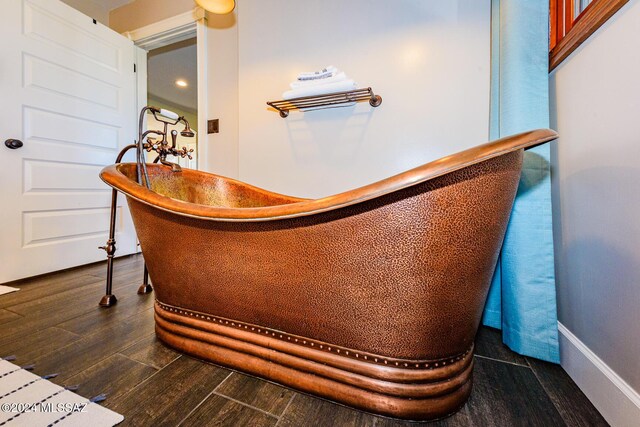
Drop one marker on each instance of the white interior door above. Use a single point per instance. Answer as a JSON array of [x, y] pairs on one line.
[[67, 92]]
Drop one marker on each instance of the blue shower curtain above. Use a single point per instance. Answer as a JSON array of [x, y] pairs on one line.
[[522, 298]]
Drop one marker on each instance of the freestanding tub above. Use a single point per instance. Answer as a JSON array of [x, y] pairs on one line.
[[371, 298]]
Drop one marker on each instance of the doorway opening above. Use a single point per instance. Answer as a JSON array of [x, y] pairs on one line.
[[190, 28], [172, 84]]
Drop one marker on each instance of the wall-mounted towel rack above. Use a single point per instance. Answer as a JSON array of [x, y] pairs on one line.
[[327, 99]]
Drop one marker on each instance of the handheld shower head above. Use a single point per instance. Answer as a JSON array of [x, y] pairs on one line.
[[187, 132]]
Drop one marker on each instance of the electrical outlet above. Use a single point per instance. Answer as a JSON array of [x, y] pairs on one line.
[[213, 126]]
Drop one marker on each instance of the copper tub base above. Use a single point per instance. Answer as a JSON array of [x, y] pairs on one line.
[[398, 388]]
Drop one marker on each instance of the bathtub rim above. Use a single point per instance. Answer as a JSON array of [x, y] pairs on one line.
[[112, 176]]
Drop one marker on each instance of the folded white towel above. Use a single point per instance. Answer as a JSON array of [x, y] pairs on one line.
[[308, 83], [312, 90], [322, 74]]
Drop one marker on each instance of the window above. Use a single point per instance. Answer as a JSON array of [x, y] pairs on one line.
[[573, 21]]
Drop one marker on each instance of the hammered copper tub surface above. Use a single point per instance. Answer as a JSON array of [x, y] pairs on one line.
[[370, 298]]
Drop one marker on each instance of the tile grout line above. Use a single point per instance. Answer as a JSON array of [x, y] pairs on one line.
[[11, 311], [553, 401], [143, 363], [79, 338], [221, 382], [102, 361], [148, 378], [98, 362], [203, 400], [101, 330], [286, 408], [45, 354], [138, 340], [57, 325], [503, 361], [24, 316], [244, 404]]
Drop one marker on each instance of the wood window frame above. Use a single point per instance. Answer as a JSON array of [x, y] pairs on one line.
[[567, 32]]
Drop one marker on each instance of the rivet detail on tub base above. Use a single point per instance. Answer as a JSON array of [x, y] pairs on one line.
[[395, 388], [317, 345]]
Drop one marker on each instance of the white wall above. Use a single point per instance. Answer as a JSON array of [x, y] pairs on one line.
[[222, 93], [596, 170], [428, 59]]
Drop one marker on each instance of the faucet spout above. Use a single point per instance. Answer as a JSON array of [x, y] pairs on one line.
[[174, 166]]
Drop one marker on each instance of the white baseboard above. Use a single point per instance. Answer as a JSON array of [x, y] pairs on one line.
[[616, 400]]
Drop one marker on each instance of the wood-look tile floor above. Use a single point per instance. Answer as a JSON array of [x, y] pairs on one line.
[[55, 323]]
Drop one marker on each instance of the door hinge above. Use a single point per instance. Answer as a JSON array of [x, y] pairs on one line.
[[135, 68]]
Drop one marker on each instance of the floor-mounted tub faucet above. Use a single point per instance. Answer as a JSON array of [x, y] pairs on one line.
[[162, 147]]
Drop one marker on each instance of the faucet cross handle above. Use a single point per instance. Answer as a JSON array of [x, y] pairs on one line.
[[151, 144], [185, 153]]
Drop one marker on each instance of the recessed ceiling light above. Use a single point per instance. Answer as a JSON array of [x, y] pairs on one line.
[[181, 83]]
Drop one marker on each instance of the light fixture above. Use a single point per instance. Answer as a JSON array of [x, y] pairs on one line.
[[220, 7], [181, 83]]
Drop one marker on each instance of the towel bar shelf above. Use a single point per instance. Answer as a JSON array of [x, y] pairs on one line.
[[326, 100]]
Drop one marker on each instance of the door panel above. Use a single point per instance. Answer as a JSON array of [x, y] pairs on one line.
[[43, 175], [68, 92], [45, 25], [53, 127], [54, 226], [41, 74]]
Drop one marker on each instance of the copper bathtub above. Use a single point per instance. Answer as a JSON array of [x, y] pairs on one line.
[[371, 298]]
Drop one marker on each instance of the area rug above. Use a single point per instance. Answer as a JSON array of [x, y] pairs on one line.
[[29, 400], [7, 289]]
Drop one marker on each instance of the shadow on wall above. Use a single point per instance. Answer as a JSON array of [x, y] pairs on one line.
[[598, 271], [221, 22], [307, 141], [595, 280], [538, 171]]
